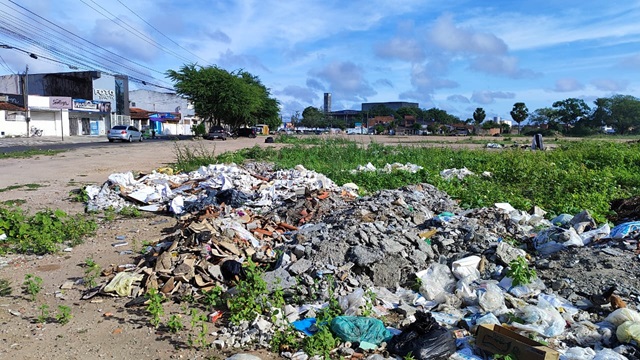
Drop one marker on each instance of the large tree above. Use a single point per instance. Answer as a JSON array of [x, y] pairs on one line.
[[571, 110], [519, 113], [478, 116], [223, 97], [440, 116], [312, 117], [543, 116], [625, 113]]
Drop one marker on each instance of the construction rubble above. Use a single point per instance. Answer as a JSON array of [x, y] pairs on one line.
[[437, 271]]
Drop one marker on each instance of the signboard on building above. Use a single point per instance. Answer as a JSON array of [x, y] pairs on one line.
[[60, 102], [103, 94], [17, 100], [91, 105]]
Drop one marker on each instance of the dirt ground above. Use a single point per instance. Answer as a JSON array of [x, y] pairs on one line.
[[101, 327]]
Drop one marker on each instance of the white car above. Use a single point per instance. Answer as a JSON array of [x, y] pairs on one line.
[[124, 133]]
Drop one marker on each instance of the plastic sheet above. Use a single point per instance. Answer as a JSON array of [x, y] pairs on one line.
[[543, 319], [352, 303], [623, 230], [359, 329]]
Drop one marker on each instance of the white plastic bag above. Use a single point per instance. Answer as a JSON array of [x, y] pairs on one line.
[[490, 297], [622, 315], [352, 303], [436, 281], [543, 319]]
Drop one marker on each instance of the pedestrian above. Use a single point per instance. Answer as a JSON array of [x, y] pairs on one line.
[[153, 133]]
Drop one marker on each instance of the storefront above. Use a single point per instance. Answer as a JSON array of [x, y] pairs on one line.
[[90, 117]]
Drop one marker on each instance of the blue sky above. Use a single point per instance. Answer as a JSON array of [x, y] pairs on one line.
[[454, 55]]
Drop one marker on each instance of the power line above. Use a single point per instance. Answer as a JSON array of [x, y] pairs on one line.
[[160, 32], [137, 33], [82, 39], [6, 66]]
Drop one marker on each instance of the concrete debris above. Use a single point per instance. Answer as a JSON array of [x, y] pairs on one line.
[[459, 174], [413, 248], [388, 168]]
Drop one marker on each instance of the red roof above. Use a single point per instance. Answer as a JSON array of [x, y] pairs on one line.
[[137, 113], [10, 107]]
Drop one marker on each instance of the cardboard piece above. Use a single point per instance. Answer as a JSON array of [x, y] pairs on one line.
[[500, 340]]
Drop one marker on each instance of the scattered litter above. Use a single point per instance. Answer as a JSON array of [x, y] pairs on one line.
[[459, 174]]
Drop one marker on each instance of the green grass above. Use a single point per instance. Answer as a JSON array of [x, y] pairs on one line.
[[28, 153], [577, 175], [16, 187]]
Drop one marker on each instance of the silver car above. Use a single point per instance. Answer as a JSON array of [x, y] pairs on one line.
[[124, 133]]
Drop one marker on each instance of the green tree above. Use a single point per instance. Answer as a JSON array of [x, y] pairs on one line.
[[625, 113], [543, 116], [570, 110], [601, 115], [440, 116], [233, 98], [478, 116], [519, 113], [312, 117]]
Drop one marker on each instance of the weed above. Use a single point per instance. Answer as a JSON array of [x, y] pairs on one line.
[[213, 297], [91, 272], [14, 202], [251, 296], [44, 313], [370, 300], [175, 324], [520, 272], [32, 285], [334, 309], [504, 357], [130, 212], [28, 153], [409, 356], [155, 306], [199, 320], [43, 232], [285, 340], [64, 314], [79, 195], [321, 343], [5, 287], [109, 214]]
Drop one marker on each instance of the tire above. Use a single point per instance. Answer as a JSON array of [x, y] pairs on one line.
[[252, 136], [140, 139], [110, 140], [130, 139]]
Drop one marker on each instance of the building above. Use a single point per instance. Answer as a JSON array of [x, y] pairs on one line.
[[393, 105], [169, 113], [84, 103], [327, 103]]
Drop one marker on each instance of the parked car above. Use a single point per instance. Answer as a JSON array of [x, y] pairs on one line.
[[124, 133], [216, 132], [245, 132]]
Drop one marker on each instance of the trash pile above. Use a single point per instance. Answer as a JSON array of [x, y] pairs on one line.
[[458, 284]]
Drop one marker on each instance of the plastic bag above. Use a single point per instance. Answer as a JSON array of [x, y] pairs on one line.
[[622, 315], [628, 331], [490, 297], [425, 339], [352, 303], [122, 283], [578, 353], [555, 238], [360, 329], [624, 229], [466, 292], [436, 281], [543, 319], [466, 266], [608, 354]]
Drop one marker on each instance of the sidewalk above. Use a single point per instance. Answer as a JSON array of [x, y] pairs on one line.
[[76, 139]]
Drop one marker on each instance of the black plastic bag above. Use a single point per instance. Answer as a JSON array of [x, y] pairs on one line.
[[232, 270], [425, 339], [232, 197]]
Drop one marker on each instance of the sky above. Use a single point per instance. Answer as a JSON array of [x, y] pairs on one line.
[[453, 55]]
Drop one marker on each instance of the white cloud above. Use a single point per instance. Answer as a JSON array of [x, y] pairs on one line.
[[502, 66], [448, 37], [567, 85], [610, 85], [403, 49], [346, 79], [458, 98], [488, 97]]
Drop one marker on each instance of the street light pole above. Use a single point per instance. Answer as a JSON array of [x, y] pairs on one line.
[[25, 94]]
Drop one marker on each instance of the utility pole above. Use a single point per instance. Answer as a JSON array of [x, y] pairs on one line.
[[25, 94]]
